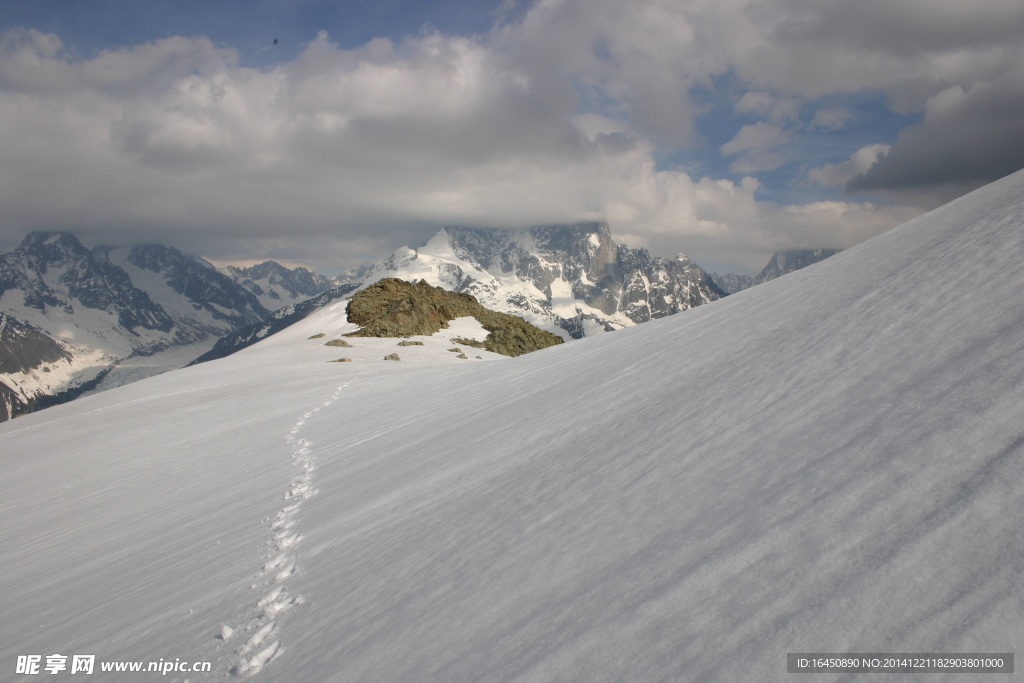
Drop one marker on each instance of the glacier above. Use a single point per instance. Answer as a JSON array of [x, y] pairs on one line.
[[832, 461]]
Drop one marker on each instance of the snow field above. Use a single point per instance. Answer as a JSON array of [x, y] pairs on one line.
[[832, 461]]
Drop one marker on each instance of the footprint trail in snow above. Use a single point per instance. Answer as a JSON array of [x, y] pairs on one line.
[[264, 645]]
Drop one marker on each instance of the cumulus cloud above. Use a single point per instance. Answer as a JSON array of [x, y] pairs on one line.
[[968, 137], [837, 175], [754, 144], [835, 118], [344, 154], [775, 109]]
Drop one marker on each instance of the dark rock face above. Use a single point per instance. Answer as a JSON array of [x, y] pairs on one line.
[[781, 263], [11, 404], [396, 308], [24, 348]]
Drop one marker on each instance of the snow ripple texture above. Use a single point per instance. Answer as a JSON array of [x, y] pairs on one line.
[[264, 645]]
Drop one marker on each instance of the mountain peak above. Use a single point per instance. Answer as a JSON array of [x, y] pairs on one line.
[[52, 246], [781, 263], [276, 285]]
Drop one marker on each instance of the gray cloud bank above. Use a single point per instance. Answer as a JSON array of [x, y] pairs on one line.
[[342, 154], [967, 138]]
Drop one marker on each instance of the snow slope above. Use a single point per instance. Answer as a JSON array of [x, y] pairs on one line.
[[832, 461]]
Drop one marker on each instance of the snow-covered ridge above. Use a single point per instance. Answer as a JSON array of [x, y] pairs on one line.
[[831, 461]]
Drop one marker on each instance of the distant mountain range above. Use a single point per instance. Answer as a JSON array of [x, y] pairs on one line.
[[76, 319], [572, 280], [71, 318], [276, 286], [781, 262]]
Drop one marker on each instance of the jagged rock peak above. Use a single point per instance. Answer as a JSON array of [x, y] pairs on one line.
[[276, 285], [781, 263]]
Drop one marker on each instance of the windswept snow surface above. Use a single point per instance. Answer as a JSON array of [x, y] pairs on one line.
[[830, 462]]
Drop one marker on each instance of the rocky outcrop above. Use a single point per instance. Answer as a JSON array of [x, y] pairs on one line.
[[396, 308]]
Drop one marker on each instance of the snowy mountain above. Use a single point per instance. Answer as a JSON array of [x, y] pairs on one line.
[[830, 462], [572, 280], [276, 286], [781, 263], [107, 305], [569, 279]]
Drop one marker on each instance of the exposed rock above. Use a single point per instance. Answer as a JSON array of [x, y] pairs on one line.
[[343, 360], [396, 308], [462, 355], [392, 356], [455, 350], [730, 283], [479, 357], [337, 342], [24, 348], [469, 342], [410, 343], [319, 335]]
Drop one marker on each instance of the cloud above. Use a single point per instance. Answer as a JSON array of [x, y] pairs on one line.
[[753, 143], [967, 138], [832, 119], [343, 154], [776, 110], [837, 175], [910, 50]]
